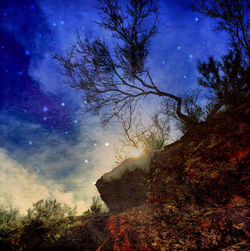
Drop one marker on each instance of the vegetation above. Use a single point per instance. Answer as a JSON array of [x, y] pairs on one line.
[[198, 186], [138, 139], [115, 79], [97, 207]]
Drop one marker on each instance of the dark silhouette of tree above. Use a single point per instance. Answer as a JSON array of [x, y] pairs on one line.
[[191, 107], [229, 78], [232, 17], [115, 78]]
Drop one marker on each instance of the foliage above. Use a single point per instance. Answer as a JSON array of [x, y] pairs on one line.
[[97, 207], [47, 211], [228, 79], [9, 221]]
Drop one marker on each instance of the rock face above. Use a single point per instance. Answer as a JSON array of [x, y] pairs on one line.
[[198, 196], [126, 185]]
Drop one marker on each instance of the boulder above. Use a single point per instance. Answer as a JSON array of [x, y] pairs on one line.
[[126, 185]]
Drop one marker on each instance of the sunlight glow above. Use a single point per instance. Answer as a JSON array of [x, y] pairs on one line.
[[134, 152]]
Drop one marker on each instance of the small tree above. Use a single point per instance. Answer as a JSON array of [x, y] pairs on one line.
[[136, 136], [229, 78]]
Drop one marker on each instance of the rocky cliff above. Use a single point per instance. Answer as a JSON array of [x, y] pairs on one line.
[[198, 191]]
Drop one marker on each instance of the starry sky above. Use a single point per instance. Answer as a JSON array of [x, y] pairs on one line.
[[48, 148]]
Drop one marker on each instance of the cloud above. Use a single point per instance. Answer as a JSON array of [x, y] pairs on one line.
[[20, 188], [55, 165]]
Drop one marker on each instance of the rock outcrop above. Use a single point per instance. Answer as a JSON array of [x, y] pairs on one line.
[[199, 192], [126, 185]]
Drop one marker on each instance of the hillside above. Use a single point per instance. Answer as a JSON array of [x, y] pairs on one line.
[[193, 195], [198, 193]]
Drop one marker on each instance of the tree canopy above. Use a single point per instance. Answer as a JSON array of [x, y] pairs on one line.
[[116, 76]]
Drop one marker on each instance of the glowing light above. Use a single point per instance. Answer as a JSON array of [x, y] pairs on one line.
[[86, 161], [190, 56], [44, 118], [20, 73], [94, 183], [63, 104], [27, 52], [62, 22], [196, 19], [178, 48], [107, 144], [45, 108], [30, 143], [135, 152]]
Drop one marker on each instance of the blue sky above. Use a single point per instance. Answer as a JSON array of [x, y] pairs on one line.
[[45, 141]]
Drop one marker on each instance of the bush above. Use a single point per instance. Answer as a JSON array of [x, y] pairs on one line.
[[9, 221]]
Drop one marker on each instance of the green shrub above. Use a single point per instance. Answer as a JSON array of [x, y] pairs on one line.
[[9, 221]]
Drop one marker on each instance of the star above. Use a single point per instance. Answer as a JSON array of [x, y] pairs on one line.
[[190, 56], [62, 22], [27, 52], [107, 144], [32, 6], [86, 161], [184, 76], [20, 73], [45, 108], [196, 19], [54, 24], [2, 47], [44, 118], [63, 104], [178, 48], [30, 143]]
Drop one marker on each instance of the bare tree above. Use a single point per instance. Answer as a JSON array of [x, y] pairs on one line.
[[114, 78], [136, 135]]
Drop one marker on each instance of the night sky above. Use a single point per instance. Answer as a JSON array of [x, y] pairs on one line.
[[48, 149]]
